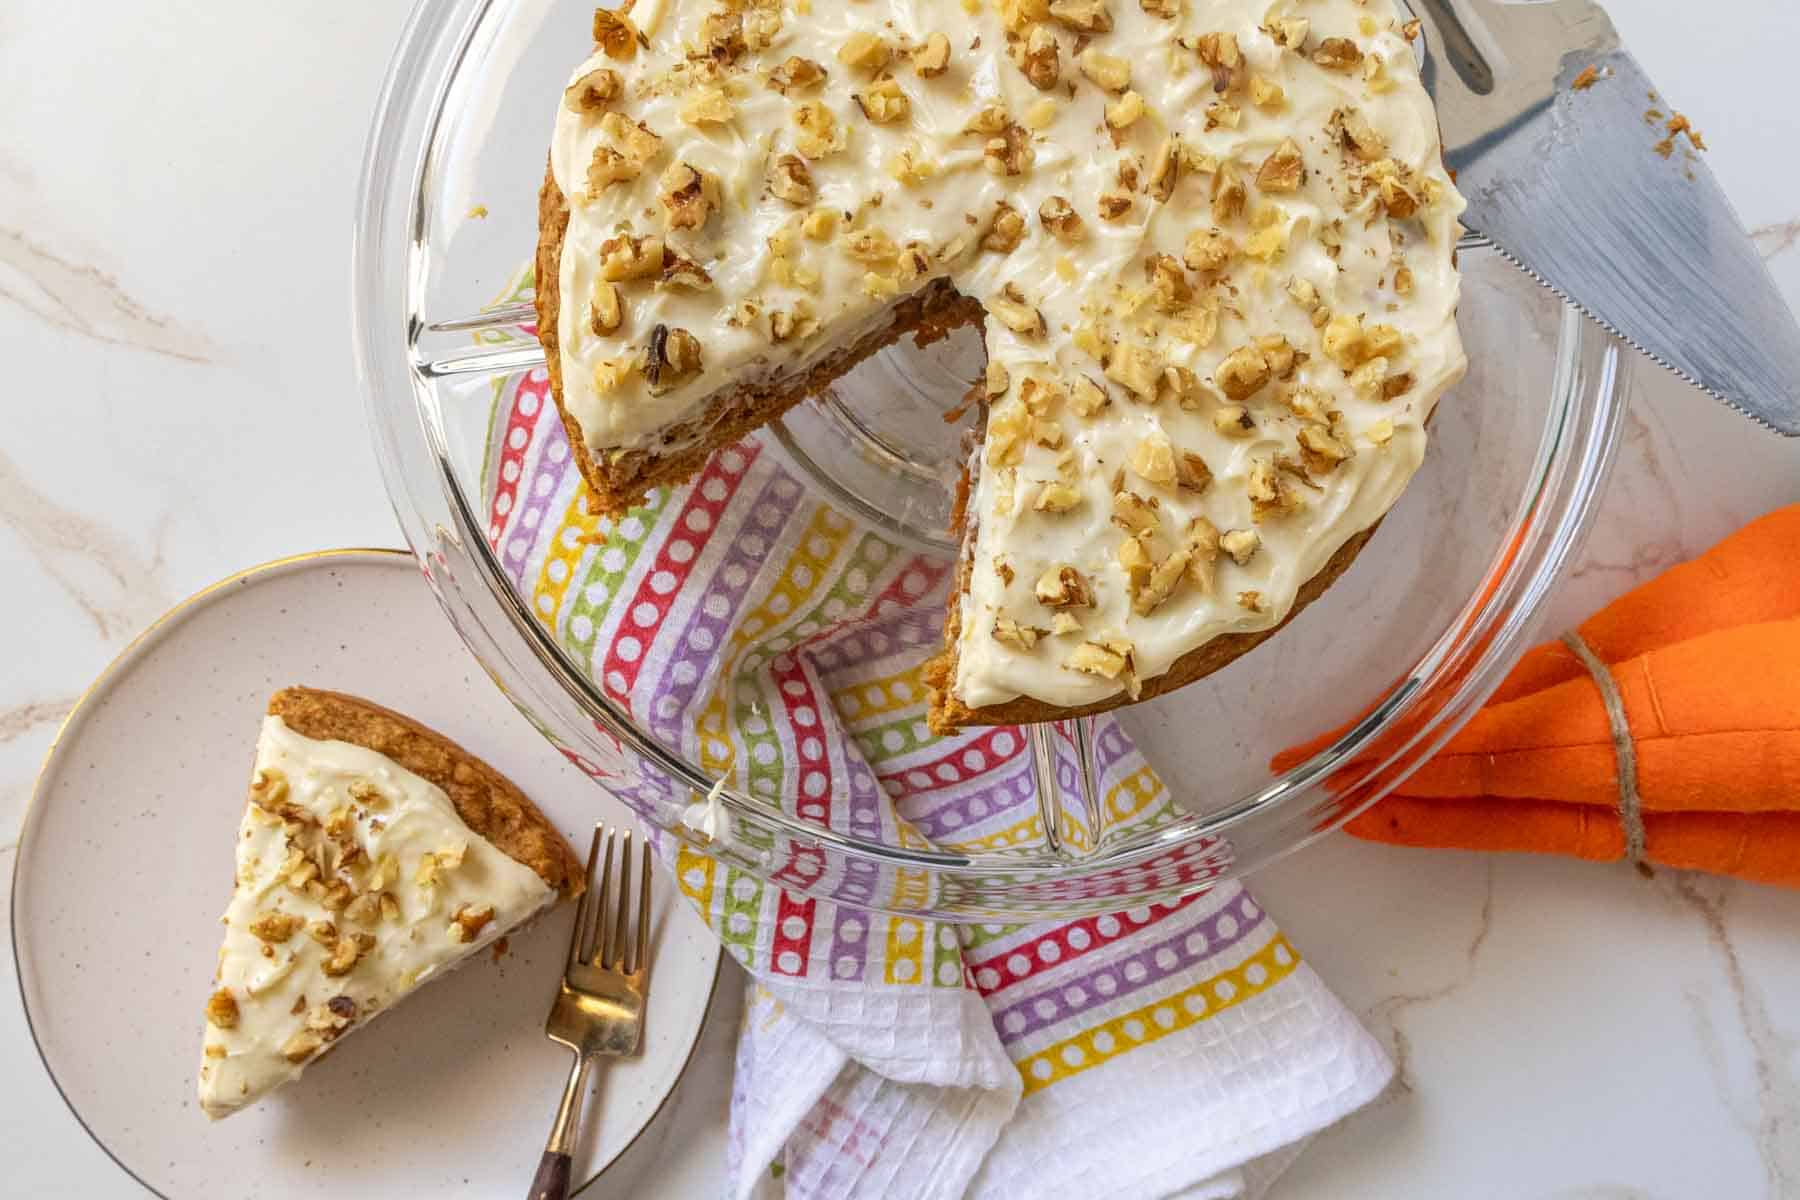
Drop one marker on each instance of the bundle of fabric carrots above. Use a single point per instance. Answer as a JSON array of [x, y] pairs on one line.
[[1703, 770]]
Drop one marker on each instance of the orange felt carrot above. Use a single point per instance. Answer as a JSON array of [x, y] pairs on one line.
[[1705, 662]]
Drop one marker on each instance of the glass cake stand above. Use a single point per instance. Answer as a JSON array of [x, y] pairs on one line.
[[1283, 745]]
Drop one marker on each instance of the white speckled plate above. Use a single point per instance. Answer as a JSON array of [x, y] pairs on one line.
[[125, 864]]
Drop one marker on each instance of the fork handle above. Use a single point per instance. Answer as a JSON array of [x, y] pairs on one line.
[[552, 1179]]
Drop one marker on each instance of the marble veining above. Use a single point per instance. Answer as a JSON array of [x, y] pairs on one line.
[[82, 299], [104, 573], [1776, 238], [1775, 1125], [21, 719]]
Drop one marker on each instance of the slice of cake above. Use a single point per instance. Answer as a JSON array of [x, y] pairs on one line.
[[1210, 245], [373, 856]]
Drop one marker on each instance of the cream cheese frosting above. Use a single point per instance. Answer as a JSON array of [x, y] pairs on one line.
[[356, 883], [1214, 240]]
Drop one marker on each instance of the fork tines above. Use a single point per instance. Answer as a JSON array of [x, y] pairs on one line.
[[603, 921]]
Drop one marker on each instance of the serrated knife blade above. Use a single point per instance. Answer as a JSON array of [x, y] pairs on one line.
[[1584, 188]]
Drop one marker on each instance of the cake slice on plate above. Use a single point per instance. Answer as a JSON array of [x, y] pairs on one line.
[[374, 855]]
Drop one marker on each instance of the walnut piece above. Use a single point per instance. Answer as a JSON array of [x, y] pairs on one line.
[[796, 75], [1061, 219], [593, 91], [1284, 170], [1191, 472], [1012, 310], [1337, 54], [1208, 250], [1153, 459], [1106, 660], [933, 58], [606, 312], [222, 1009], [1005, 231], [627, 257], [817, 134], [1063, 587], [467, 923], [1115, 204], [1222, 55], [670, 358], [1137, 368], [1056, 497], [1243, 372], [615, 33], [1107, 71], [1038, 57], [865, 50], [689, 195], [884, 103], [276, 927], [1241, 544], [1083, 16], [791, 180], [305, 1043], [1009, 632]]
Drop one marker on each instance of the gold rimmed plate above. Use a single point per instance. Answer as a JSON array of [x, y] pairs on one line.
[[125, 864]]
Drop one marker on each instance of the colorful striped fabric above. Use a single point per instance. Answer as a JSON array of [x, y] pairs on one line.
[[779, 643]]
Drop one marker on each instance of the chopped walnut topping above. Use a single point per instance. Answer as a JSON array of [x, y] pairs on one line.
[[1061, 219], [1229, 196], [1088, 398], [1241, 544], [1337, 54], [884, 103], [1354, 132], [722, 37], [933, 58], [1083, 16], [615, 33], [1153, 459], [222, 1009], [669, 359], [1266, 93], [1009, 632], [593, 91], [627, 257], [1010, 153], [364, 910], [1284, 170], [1208, 250], [1180, 385], [989, 119], [1161, 8], [689, 195], [305, 1043], [1343, 341], [276, 927], [1107, 71], [709, 106], [1124, 112], [1064, 622], [1290, 33], [1038, 57], [1321, 450], [1243, 372], [1106, 660], [995, 381], [1164, 578], [1233, 420], [865, 50], [629, 147], [323, 932], [1280, 355], [1221, 54], [347, 952], [467, 923], [1167, 282], [817, 134], [789, 326], [1251, 600], [1063, 587], [1191, 472], [1115, 204], [1005, 231], [871, 247], [1270, 493], [1137, 368], [791, 180], [1132, 513], [1165, 169], [1056, 497], [1012, 310], [796, 75], [1403, 281], [337, 895]]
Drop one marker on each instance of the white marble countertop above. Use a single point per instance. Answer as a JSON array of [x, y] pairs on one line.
[[175, 195]]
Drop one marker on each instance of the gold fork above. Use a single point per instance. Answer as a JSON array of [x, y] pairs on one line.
[[599, 1008]]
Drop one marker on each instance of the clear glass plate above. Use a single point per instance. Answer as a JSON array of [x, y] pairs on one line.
[[1348, 699]]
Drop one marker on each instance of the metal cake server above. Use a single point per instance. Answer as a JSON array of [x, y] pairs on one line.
[[1568, 182]]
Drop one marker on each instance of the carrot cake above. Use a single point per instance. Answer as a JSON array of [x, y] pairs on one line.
[[1209, 244], [373, 856]]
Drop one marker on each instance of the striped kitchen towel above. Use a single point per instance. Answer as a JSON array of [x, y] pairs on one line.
[[1175, 1049]]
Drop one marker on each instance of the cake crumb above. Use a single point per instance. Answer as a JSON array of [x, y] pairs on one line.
[[1590, 75], [478, 212]]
